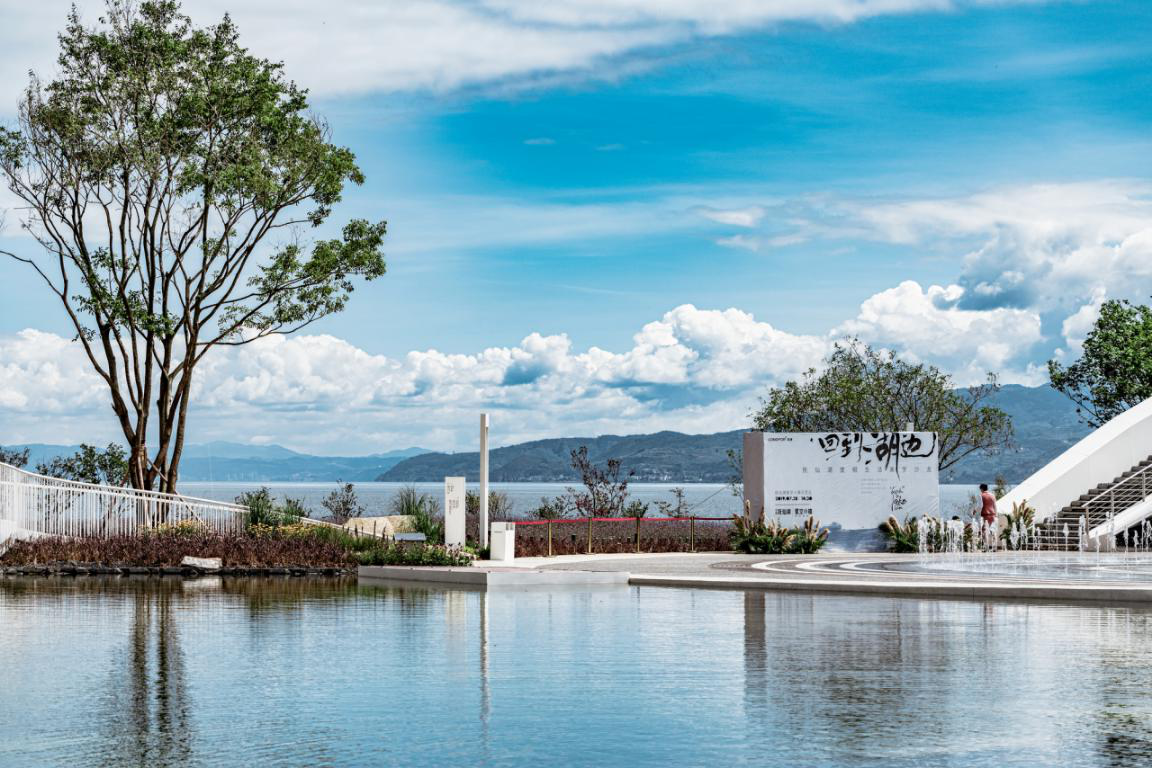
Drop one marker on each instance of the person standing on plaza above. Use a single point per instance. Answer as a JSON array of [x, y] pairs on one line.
[[987, 505]]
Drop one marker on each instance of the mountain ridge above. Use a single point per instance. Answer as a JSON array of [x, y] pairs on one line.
[[1045, 421], [1046, 424]]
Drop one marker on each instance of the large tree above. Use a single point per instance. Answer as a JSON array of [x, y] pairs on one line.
[[861, 389], [170, 178], [1115, 371]]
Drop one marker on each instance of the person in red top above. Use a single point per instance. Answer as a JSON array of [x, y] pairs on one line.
[[987, 505]]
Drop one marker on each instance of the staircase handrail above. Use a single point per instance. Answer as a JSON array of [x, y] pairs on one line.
[[1110, 491]]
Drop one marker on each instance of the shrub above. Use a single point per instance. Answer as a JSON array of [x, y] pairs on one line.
[[773, 538], [570, 537], [499, 505], [424, 510], [343, 504], [294, 508], [677, 508], [809, 538], [427, 554], [636, 508], [1021, 521], [169, 547], [263, 511], [902, 536], [550, 509]]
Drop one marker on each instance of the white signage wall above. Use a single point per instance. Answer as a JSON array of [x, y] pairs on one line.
[[851, 481], [454, 490]]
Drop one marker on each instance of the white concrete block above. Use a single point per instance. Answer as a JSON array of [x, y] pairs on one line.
[[503, 542]]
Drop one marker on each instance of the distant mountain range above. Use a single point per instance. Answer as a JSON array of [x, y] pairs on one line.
[[236, 462], [1045, 421], [1046, 424]]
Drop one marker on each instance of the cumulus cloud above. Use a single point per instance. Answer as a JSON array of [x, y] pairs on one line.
[[355, 46], [929, 324], [1078, 325], [692, 369], [1049, 249], [1045, 246]]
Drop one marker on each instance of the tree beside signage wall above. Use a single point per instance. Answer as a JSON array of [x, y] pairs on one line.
[[861, 389]]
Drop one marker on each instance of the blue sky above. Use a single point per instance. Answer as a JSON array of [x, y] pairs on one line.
[[963, 182]]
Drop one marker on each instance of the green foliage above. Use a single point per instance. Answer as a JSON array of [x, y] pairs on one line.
[[809, 538], [735, 481], [675, 508], [866, 390], [550, 509], [1022, 520], [13, 457], [424, 510], [499, 505], [343, 504], [902, 536], [934, 532], [153, 170], [263, 512], [605, 491], [90, 465], [999, 487], [771, 537], [636, 508], [426, 554], [1114, 372], [293, 508]]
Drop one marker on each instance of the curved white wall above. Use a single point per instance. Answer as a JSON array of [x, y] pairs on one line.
[[1099, 458]]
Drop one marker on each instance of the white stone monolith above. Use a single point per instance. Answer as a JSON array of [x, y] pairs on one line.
[[454, 490]]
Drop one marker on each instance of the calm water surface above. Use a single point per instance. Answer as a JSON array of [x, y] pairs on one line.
[[704, 499], [295, 672]]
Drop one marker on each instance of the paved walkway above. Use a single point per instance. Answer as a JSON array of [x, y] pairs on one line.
[[867, 574]]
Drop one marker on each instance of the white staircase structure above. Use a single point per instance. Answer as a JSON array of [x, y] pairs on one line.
[[34, 505], [1105, 479]]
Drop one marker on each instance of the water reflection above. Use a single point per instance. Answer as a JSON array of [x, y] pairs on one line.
[[301, 672], [153, 728]]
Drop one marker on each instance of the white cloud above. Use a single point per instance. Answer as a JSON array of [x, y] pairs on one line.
[[740, 217], [355, 46], [928, 325], [693, 369], [1045, 246], [1078, 325], [739, 241], [1049, 249]]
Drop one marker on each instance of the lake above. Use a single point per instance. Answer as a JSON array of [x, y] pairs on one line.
[[300, 672], [704, 499]]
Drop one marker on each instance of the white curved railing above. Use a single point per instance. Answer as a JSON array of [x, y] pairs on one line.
[[48, 506], [1101, 457]]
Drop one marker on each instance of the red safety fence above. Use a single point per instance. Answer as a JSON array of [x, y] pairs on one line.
[[604, 535]]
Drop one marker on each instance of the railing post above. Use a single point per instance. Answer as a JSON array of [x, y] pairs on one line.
[[692, 533], [589, 534], [637, 533], [549, 538]]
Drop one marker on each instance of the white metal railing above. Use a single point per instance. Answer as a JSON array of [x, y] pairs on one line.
[[1102, 510], [55, 507]]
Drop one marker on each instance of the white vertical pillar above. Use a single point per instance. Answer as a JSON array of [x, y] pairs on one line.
[[454, 511], [483, 533]]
